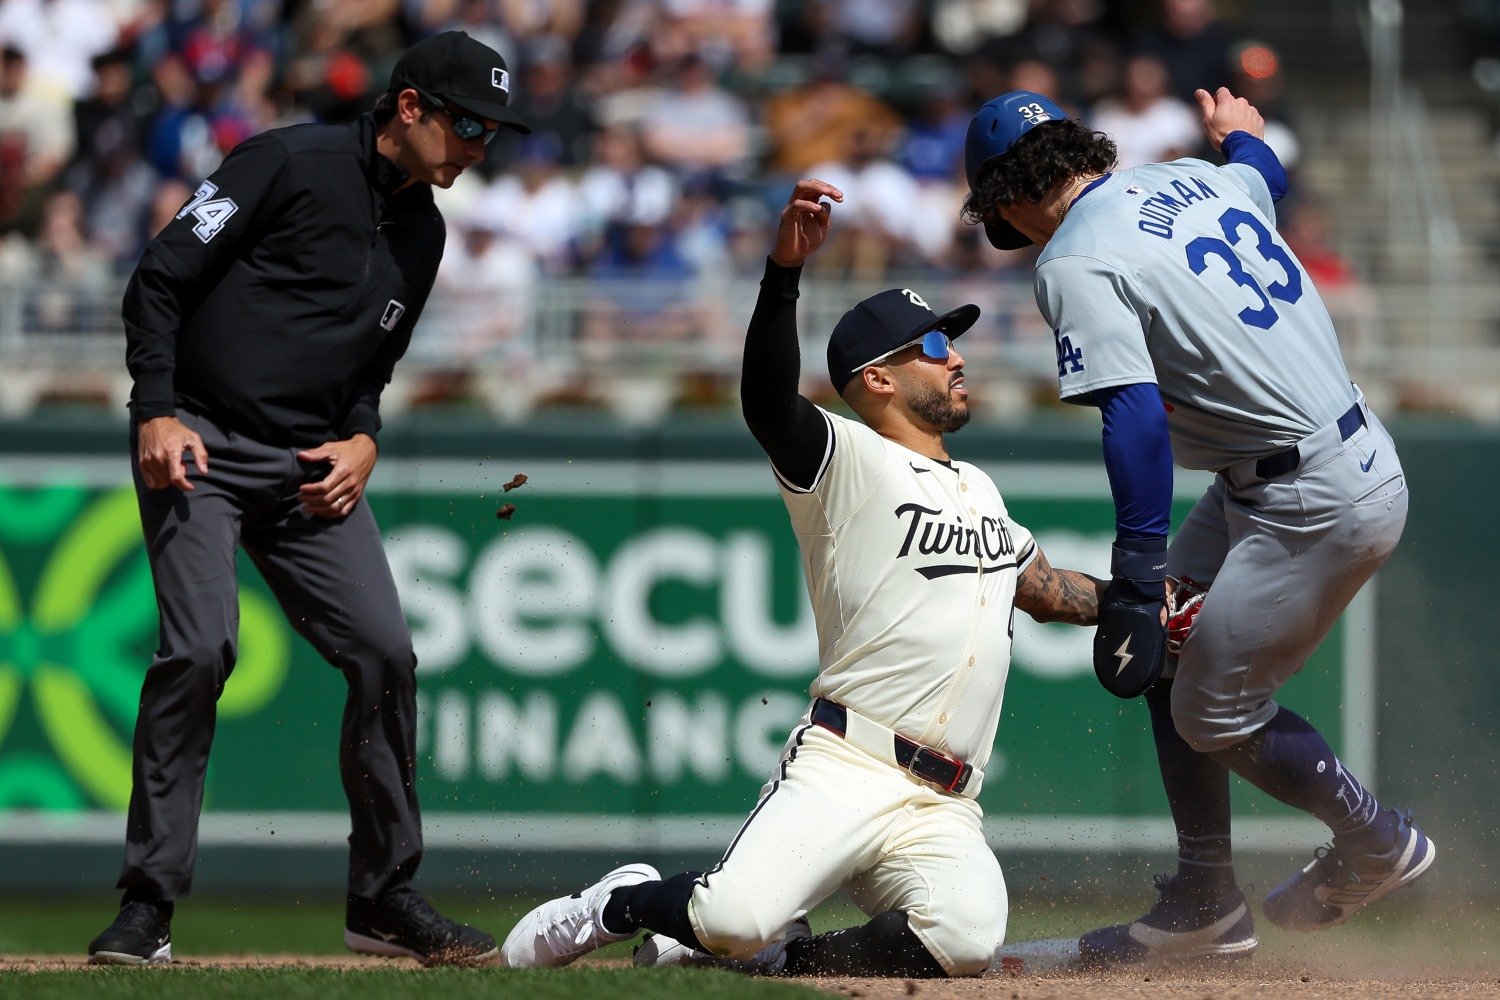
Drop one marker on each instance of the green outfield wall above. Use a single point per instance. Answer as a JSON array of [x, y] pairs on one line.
[[612, 670]]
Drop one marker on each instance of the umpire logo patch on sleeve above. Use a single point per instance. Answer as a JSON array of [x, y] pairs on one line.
[[393, 313]]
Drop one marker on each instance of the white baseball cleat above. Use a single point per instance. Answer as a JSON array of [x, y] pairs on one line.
[[562, 930], [659, 951]]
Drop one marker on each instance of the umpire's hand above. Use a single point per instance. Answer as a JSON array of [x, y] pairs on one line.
[[162, 440], [349, 466]]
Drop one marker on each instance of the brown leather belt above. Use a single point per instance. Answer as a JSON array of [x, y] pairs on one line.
[[948, 773]]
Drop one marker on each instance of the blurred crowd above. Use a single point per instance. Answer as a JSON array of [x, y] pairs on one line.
[[667, 132]]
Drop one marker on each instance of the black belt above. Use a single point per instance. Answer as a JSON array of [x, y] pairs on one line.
[[1283, 462], [948, 773]]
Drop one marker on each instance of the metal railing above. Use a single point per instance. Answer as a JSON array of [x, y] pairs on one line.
[[1406, 176], [638, 347]]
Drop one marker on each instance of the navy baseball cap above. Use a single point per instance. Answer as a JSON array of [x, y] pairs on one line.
[[992, 132], [455, 67], [883, 323]]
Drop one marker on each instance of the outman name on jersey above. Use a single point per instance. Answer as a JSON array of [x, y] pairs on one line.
[[911, 565]]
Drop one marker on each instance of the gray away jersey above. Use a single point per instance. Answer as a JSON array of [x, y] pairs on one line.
[[1173, 273]]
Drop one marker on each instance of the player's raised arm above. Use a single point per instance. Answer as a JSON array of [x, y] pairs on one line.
[[791, 429], [1236, 128], [804, 222], [1058, 595]]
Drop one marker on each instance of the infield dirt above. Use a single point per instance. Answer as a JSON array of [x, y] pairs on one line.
[[1346, 979]]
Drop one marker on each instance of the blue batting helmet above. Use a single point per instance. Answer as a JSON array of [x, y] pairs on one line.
[[992, 132]]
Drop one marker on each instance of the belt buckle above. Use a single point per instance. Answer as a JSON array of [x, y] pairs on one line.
[[924, 765]]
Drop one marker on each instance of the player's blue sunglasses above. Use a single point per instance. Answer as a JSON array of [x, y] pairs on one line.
[[464, 126], [936, 345]]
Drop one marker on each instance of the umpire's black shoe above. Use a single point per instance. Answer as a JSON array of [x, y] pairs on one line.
[[402, 924], [140, 935], [1181, 927]]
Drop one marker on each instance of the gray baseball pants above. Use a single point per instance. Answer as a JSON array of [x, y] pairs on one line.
[[1285, 556], [335, 586]]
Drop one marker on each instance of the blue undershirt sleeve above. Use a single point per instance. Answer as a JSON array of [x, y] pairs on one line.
[[1242, 147], [1138, 458]]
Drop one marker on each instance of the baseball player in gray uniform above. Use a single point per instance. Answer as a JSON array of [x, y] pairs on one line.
[[1181, 314], [914, 568]]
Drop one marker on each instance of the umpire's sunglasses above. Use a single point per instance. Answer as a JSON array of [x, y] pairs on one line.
[[465, 126], [935, 344]]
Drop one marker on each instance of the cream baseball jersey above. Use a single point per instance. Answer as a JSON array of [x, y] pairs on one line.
[[911, 565]]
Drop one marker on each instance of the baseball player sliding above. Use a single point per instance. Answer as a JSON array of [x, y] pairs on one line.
[[914, 569], [1184, 318]]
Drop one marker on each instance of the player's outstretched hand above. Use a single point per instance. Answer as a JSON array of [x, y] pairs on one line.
[[162, 440], [1224, 113], [804, 222], [349, 466]]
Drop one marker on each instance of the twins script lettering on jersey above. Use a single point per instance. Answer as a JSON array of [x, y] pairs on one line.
[[991, 542]]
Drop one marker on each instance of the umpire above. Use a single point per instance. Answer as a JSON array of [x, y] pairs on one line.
[[261, 326]]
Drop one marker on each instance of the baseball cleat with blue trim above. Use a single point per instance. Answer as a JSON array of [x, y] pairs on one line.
[[1179, 928], [1340, 881]]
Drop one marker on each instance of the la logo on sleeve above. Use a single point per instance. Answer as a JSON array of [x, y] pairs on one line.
[[393, 312]]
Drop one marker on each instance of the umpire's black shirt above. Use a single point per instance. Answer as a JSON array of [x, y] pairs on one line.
[[279, 299]]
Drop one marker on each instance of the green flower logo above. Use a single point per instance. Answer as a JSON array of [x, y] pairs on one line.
[[72, 656]]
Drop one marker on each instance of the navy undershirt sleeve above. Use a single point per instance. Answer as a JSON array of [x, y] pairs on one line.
[[1242, 147], [1138, 457]]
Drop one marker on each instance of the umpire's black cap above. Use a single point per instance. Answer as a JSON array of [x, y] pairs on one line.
[[454, 67], [883, 323]]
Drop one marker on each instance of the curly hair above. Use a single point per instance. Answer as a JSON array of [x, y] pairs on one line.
[[1041, 159]]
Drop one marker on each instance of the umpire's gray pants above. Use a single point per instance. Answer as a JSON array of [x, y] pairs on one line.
[[335, 586], [1285, 556]]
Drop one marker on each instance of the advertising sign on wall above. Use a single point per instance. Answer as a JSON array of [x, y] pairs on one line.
[[618, 662]]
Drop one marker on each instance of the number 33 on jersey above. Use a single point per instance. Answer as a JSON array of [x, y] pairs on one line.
[[1172, 274]]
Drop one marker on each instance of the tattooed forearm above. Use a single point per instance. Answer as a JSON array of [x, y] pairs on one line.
[[1058, 595]]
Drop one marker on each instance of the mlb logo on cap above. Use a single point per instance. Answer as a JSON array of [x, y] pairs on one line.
[[461, 71]]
